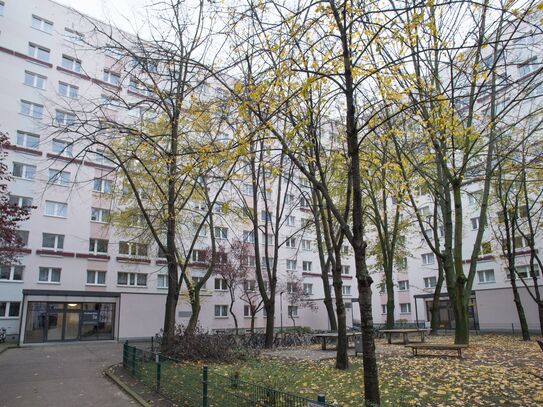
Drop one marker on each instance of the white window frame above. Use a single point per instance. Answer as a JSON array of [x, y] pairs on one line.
[[73, 36], [134, 248], [307, 265], [291, 265], [71, 63], [58, 177], [28, 140], [8, 310], [113, 78], [221, 283], [64, 118], [221, 311], [292, 311], [404, 283], [12, 271], [345, 270], [50, 274], [62, 148], [28, 171], [132, 279], [474, 223], [291, 220], [482, 276], [56, 209], [100, 215], [346, 290], [306, 244], [41, 24], [93, 242], [249, 236], [407, 306], [308, 288], [162, 281], [428, 282], [34, 52], [58, 244], [220, 233], [31, 109], [35, 80], [290, 242], [95, 279], [68, 90], [102, 185], [428, 259]]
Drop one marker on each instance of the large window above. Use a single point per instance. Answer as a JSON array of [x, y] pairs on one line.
[[98, 246], [102, 185], [35, 80], [249, 236], [345, 270], [49, 275], [291, 265], [133, 249], [220, 284], [52, 241], [71, 63], [59, 177], [346, 289], [220, 233], [58, 209], [63, 148], [405, 308], [24, 171], [290, 242], [38, 52], [112, 77], [42, 24], [11, 273], [31, 109], [28, 140], [162, 281], [221, 311], [403, 285], [95, 277], [308, 288], [486, 276], [100, 215], [9, 309], [64, 118], [292, 311], [306, 244], [430, 282], [428, 258], [307, 265], [73, 36], [132, 279], [67, 90]]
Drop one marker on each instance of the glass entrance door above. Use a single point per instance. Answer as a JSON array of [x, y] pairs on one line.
[[55, 321], [71, 328]]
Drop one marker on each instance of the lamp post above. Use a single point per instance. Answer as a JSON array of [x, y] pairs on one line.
[[281, 309]]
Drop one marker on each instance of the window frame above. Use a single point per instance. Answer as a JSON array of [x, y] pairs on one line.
[[8, 310], [24, 137], [42, 25], [35, 80], [25, 174], [96, 274], [58, 241], [96, 245], [220, 308], [11, 269], [50, 274], [55, 206], [70, 63]]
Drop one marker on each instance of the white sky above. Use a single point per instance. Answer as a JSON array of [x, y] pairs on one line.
[[122, 13]]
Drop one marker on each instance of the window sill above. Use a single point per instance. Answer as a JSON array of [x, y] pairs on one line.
[[9, 318], [162, 288], [216, 317], [95, 285], [131, 286], [49, 282], [54, 216], [22, 179], [405, 313], [12, 281], [486, 282], [99, 222]]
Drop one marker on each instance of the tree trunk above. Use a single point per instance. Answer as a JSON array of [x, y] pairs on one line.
[[390, 299], [171, 305], [342, 358], [193, 321], [270, 316], [252, 324], [519, 306], [540, 308], [460, 311], [435, 317], [234, 317]]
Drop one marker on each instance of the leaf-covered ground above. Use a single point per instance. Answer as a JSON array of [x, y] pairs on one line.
[[496, 370]]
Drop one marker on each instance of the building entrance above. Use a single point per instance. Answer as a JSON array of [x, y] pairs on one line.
[[65, 321]]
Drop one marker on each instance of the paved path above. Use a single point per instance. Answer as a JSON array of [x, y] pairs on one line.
[[62, 375]]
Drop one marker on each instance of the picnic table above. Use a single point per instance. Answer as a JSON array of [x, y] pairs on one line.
[[405, 333], [324, 337]]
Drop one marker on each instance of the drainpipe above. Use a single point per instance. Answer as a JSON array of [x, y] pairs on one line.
[[21, 319]]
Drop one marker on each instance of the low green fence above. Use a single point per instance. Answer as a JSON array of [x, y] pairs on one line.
[[194, 385]]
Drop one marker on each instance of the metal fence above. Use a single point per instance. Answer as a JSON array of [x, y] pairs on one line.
[[191, 385]]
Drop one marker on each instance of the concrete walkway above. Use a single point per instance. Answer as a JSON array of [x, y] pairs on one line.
[[60, 375]]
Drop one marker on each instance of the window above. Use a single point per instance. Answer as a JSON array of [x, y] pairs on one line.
[[486, 248], [345, 270], [102, 185], [42, 25], [41, 53], [346, 289], [292, 311], [249, 236], [111, 102], [249, 285], [247, 189], [49, 275], [291, 264], [289, 199], [291, 221], [528, 66], [96, 277], [475, 223], [199, 280], [71, 63], [430, 282], [307, 265], [100, 215], [522, 271], [22, 236], [64, 118], [52, 241], [58, 177], [217, 207], [133, 249], [220, 284], [267, 238], [383, 309], [221, 258], [405, 308], [403, 285], [73, 36], [265, 216], [27, 140], [308, 289], [306, 244], [486, 276], [291, 242], [33, 110], [520, 241], [304, 203], [24, 171], [221, 311], [9, 309], [112, 77], [132, 279], [246, 311], [249, 261], [475, 197], [220, 233], [35, 80], [428, 258], [137, 86], [267, 262], [162, 281], [345, 249], [11, 273], [62, 148], [98, 246], [58, 209], [67, 90], [199, 256], [1, 8]]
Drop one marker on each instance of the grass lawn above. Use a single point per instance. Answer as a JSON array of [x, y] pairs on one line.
[[497, 370]]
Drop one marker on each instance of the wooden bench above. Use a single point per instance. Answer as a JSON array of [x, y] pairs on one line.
[[540, 342], [436, 346]]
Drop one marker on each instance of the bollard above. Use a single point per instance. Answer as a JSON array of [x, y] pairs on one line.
[[157, 360], [321, 398], [204, 387]]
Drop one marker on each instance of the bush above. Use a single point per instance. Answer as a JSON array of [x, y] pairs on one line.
[[203, 346]]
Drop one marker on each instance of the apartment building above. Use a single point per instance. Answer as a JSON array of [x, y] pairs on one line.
[[80, 278]]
